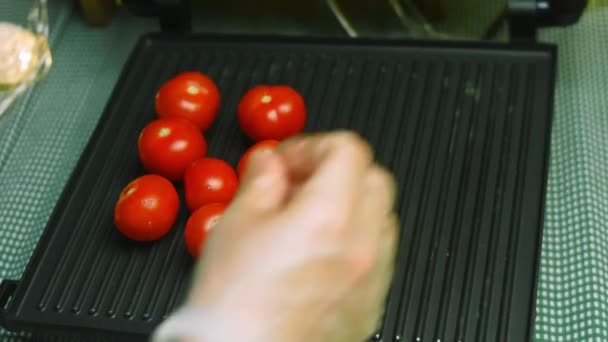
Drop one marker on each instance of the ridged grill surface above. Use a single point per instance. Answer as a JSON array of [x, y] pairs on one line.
[[464, 128]]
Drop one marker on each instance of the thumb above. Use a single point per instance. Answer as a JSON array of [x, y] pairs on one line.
[[264, 186]]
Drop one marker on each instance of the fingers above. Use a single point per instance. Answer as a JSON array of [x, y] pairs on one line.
[[329, 169], [264, 186], [378, 206], [381, 278], [373, 291], [307, 154], [389, 242], [378, 199]]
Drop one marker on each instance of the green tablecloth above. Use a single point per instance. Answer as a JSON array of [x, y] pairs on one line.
[[573, 286], [42, 136]]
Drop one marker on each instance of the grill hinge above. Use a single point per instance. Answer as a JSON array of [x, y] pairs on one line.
[[526, 16]]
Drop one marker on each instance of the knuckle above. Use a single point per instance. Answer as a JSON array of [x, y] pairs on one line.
[[382, 184], [348, 137], [381, 178], [354, 144]]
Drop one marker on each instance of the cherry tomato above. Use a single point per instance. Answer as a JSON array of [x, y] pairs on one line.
[[168, 146], [190, 95], [261, 146], [209, 180], [146, 208], [272, 112], [199, 226]]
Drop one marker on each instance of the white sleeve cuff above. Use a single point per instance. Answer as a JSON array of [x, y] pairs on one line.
[[191, 325]]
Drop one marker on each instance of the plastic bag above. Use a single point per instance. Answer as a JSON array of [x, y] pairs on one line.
[[24, 54], [422, 19]]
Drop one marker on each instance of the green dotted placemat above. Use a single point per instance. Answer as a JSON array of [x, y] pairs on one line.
[[42, 136], [573, 287]]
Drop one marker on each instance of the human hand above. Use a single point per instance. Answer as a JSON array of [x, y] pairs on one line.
[[306, 250]]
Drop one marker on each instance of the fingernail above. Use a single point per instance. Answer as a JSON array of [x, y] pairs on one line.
[[260, 157], [262, 178], [257, 162]]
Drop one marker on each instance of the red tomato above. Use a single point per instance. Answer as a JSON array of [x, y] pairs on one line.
[[261, 146], [147, 208], [168, 146], [209, 180], [272, 112], [199, 226], [190, 95]]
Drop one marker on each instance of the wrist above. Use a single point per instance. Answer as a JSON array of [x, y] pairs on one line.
[[197, 324]]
